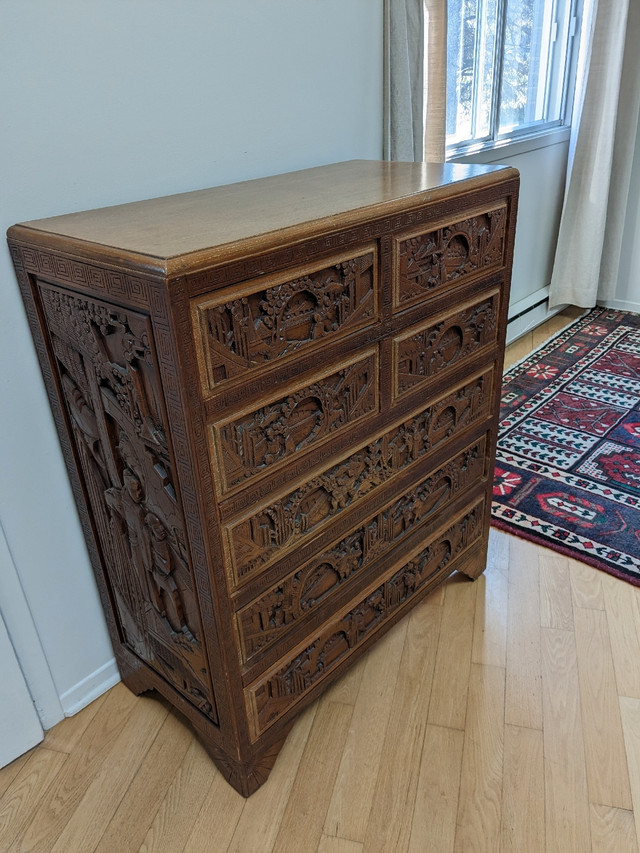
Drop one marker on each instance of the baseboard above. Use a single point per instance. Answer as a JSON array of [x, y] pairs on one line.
[[94, 685], [528, 313], [620, 305]]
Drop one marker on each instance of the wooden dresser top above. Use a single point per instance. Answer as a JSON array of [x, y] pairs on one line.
[[179, 232]]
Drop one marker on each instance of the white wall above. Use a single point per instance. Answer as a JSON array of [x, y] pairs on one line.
[[110, 101]]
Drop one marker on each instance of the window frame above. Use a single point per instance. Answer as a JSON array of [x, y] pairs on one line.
[[532, 132]]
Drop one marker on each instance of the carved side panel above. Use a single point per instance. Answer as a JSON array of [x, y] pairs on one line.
[[276, 694], [259, 540], [436, 346], [255, 441], [106, 367], [428, 261], [268, 618], [283, 314]]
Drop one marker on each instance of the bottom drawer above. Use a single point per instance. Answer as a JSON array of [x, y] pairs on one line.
[[287, 682]]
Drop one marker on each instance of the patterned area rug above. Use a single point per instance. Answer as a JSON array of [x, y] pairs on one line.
[[568, 462]]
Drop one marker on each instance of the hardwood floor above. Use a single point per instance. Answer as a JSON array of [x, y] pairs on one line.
[[504, 715]]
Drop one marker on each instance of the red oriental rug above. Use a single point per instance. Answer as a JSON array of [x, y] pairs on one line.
[[568, 462]]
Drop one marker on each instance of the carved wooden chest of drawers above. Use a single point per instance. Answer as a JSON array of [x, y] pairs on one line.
[[277, 401]]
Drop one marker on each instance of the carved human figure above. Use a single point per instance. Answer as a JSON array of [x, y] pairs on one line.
[[163, 590]]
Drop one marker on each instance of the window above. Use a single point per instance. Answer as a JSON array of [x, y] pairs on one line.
[[508, 70]]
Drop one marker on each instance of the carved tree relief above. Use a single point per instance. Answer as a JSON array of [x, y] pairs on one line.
[[107, 372]]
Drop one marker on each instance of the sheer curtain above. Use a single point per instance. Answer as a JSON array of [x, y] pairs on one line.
[[415, 63], [601, 154]]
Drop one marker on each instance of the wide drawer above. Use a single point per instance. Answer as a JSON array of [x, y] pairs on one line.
[[299, 595], [286, 521], [303, 416], [243, 330], [286, 683]]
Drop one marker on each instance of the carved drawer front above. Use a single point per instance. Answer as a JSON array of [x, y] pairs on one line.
[[242, 329], [106, 365], [290, 519], [278, 691], [296, 598], [261, 439], [440, 344], [427, 262]]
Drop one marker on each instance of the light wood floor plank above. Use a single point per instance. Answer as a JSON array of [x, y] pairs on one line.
[[490, 622], [389, 827], [612, 830], [448, 705], [436, 805], [353, 791], [64, 796], [556, 606], [20, 802], [566, 798], [125, 831], [586, 586], [523, 699], [306, 810], [9, 773], [630, 713], [68, 732], [178, 810], [261, 815], [622, 603], [103, 795], [332, 844], [606, 764], [522, 829], [480, 804]]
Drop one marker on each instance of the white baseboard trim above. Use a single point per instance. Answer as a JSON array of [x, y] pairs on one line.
[[527, 313], [94, 685], [621, 305]]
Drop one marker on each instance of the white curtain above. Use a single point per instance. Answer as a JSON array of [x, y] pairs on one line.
[[415, 63], [603, 138]]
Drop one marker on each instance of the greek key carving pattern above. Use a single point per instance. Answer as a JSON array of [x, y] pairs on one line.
[[256, 441], [259, 540], [279, 692], [266, 620], [439, 346], [451, 253]]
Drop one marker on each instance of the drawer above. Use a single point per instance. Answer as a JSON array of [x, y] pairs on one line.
[[297, 597], [280, 689], [259, 440], [430, 261], [243, 330], [443, 343], [272, 530]]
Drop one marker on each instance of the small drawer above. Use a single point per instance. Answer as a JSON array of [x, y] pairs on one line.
[[244, 329], [262, 439], [449, 253], [298, 596], [291, 679], [443, 343], [285, 522]]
